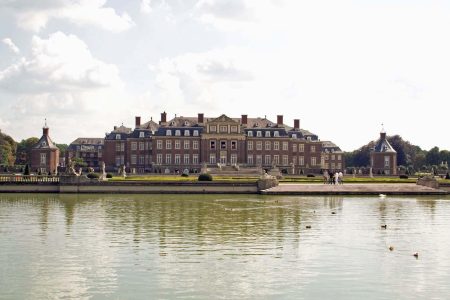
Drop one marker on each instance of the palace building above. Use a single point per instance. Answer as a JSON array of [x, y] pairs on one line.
[[44, 154], [383, 157], [187, 143]]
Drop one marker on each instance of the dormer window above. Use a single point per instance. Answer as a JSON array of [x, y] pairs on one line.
[[195, 132], [269, 124], [177, 132], [44, 144], [294, 135], [168, 132], [308, 138], [276, 134], [117, 136], [259, 134], [172, 123], [249, 133], [187, 133], [186, 123], [141, 134], [256, 125], [267, 134]]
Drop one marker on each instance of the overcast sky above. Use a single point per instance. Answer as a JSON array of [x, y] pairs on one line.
[[341, 67]]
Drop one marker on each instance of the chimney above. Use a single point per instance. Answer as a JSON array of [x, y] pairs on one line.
[[137, 122], [200, 118], [115, 128], [296, 124], [45, 131], [383, 135], [280, 120], [244, 120], [163, 118]]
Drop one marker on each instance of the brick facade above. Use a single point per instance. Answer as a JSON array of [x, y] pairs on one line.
[[383, 157], [44, 155]]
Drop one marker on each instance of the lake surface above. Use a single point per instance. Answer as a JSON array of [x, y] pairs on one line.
[[223, 247]]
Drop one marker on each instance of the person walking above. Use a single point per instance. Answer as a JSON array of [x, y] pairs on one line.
[[341, 177]]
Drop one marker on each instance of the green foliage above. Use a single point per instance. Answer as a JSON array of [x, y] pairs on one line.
[[62, 149], [184, 175], [79, 162], [109, 175], [7, 150], [205, 177], [403, 177], [310, 175], [27, 170], [93, 176], [447, 176], [23, 156]]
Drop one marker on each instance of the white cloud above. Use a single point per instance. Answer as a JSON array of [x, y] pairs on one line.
[[146, 7], [35, 16], [8, 42], [60, 63]]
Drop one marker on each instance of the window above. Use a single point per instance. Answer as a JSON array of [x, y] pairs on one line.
[[195, 132], [313, 148], [212, 158], [332, 166], [301, 148], [250, 145], [267, 146], [195, 159], [177, 159], [212, 128], [212, 145], [258, 160], [285, 160], [233, 145], [133, 146], [234, 129], [259, 134], [258, 145], [250, 133], [141, 146], [187, 145], [339, 157], [294, 147], [168, 144], [224, 129], [333, 157], [141, 159], [186, 123], [117, 136], [177, 144], [43, 158], [159, 159], [187, 133], [285, 146], [141, 134], [294, 160], [276, 134], [276, 159], [168, 158], [326, 157], [100, 154], [339, 166], [195, 145], [186, 159], [386, 161], [177, 132], [267, 134], [223, 144], [250, 159], [276, 146], [158, 144], [168, 132], [233, 159], [313, 161], [147, 159], [301, 160], [294, 135], [117, 160], [267, 160], [117, 147], [133, 159]]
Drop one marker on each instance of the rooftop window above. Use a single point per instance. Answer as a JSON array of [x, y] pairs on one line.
[[249, 133], [168, 132], [267, 134], [276, 134]]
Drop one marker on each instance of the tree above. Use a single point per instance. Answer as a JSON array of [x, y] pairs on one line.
[[24, 150], [62, 149], [433, 156], [27, 170], [7, 150]]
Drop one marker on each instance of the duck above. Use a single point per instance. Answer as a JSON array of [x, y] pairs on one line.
[[308, 226], [384, 226], [391, 248], [416, 254], [333, 212]]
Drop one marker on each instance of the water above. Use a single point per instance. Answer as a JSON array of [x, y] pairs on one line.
[[223, 247]]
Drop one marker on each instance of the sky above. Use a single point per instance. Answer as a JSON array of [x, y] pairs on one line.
[[342, 67]]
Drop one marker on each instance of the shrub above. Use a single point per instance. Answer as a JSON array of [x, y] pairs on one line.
[[27, 170], [447, 176], [109, 175], [310, 175], [403, 177], [93, 176], [205, 177], [184, 175]]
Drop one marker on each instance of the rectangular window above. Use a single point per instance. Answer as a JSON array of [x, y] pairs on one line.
[[386, 161], [133, 159], [43, 158], [233, 159], [313, 161], [168, 132], [258, 145], [224, 129], [117, 160], [259, 134], [168, 144], [158, 144], [234, 129], [177, 132], [301, 147], [285, 146], [141, 146], [186, 132], [223, 144], [146, 159], [212, 128], [276, 134], [117, 136], [212, 145], [195, 133], [339, 157], [333, 157], [276, 159], [294, 160], [122, 147], [267, 160], [250, 145], [187, 145], [186, 159], [332, 166], [141, 134], [195, 159], [195, 145], [133, 146], [267, 145], [159, 159], [294, 147], [258, 160], [276, 146], [285, 160], [313, 148], [141, 159], [233, 145], [117, 147], [301, 160], [100, 154], [250, 159], [212, 158], [339, 166], [177, 159], [177, 144], [168, 158], [267, 134], [250, 133]]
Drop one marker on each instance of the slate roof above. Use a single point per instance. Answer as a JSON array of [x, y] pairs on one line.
[[150, 125], [330, 147], [382, 145], [45, 142], [88, 141]]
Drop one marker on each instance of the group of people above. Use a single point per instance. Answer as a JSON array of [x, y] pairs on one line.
[[330, 178]]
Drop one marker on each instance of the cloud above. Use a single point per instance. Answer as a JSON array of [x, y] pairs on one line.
[[8, 42], [146, 6], [60, 63], [35, 15]]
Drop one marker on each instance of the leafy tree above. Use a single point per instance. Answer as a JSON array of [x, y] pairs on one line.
[[7, 150], [62, 149], [27, 170], [24, 150], [433, 156]]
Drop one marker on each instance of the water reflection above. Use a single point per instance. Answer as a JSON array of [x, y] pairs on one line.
[[198, 246]]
